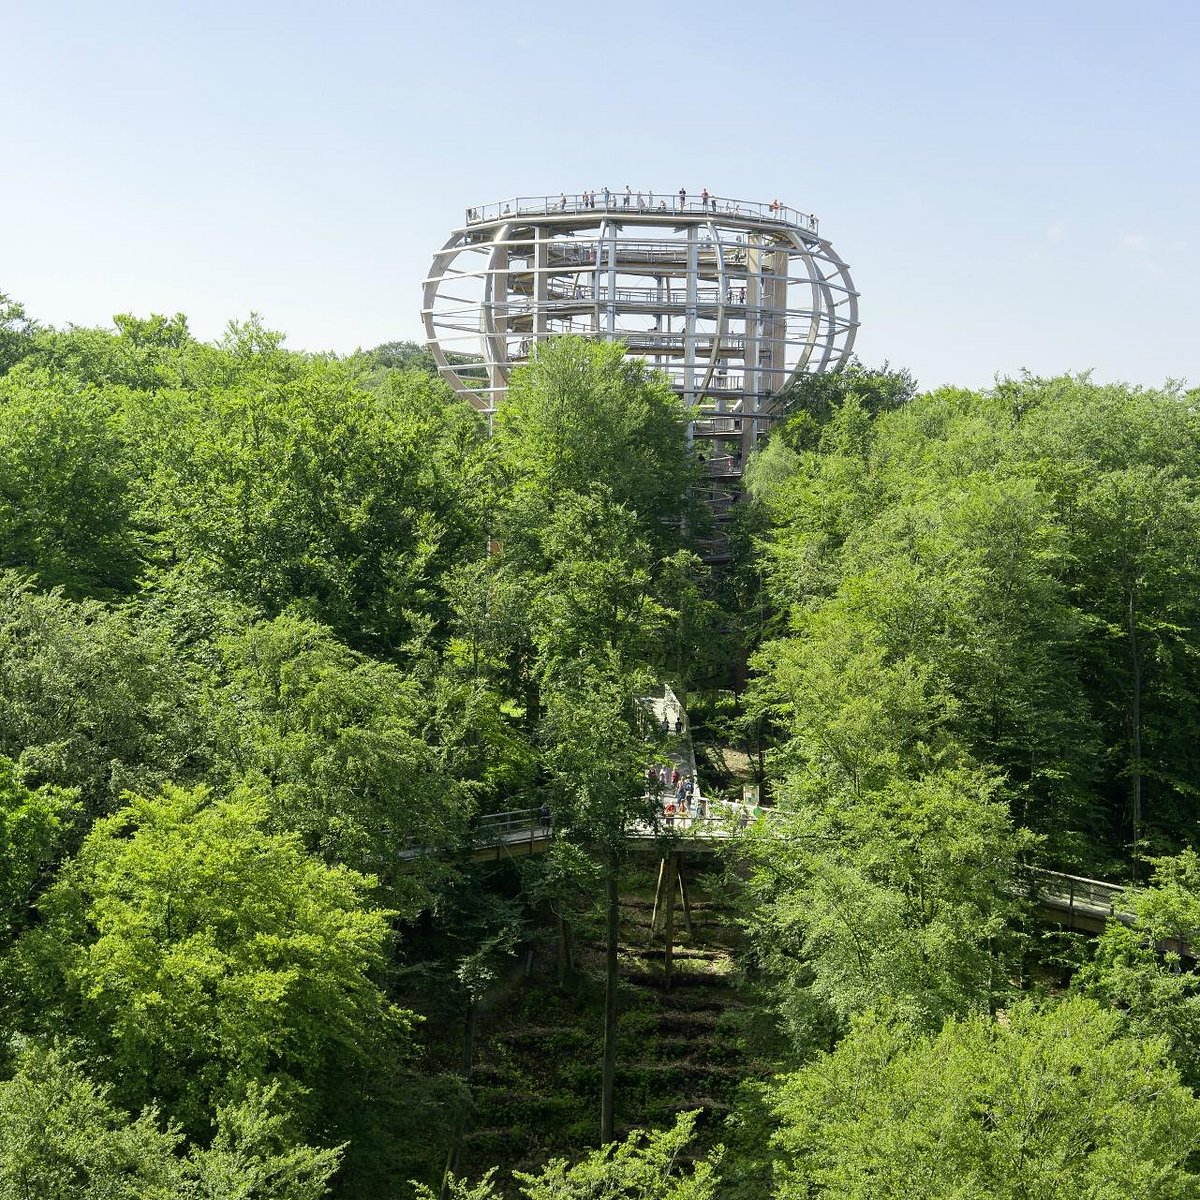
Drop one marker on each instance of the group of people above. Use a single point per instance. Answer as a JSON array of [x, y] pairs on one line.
[[644, 202], [630, 199], [678, 792]]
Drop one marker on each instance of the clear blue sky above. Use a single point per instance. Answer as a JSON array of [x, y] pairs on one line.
[[1014, 185]]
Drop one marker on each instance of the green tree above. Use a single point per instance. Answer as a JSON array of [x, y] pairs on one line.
[[90, 697], [1138, 968], [595, 755], [139, 353], [196, 954], [814, 399], [335, 739], [645, 1166], [901, 901], [1055, 1103], [16, 332], [252, 1155], [288, 481], [62, 1138], [65, 512], [1141, 525], [32, 822], [591, 451], [583, 416]]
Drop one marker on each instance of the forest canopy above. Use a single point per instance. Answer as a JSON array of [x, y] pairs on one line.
[[277, 628]]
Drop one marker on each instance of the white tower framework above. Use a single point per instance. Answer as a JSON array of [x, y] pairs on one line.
[[733, 300]]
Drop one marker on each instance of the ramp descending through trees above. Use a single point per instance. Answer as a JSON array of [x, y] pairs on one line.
[[732, 300]]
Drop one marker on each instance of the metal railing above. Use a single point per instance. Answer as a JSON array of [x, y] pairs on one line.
[[713, 819], [1072, 893], [717, 425], [492, 829], [631, 204]]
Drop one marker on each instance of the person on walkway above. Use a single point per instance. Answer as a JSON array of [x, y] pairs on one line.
[[545, 816], [670, 811], [628, 197], [662, 777], [682, 199], [562, 202], [607, 197], [674, 776], [642, 202], [678, 724], [704, 199]]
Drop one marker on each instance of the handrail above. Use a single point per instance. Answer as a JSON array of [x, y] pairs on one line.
[[640, 204]]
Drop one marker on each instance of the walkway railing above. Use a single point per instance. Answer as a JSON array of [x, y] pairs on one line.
[[640, 204], [711, 819], [510, 828], [1094, 895]]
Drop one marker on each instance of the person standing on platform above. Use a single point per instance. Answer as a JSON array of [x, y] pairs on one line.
[[682, 199]]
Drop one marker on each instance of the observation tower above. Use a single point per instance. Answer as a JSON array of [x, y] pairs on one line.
[[732, 299]]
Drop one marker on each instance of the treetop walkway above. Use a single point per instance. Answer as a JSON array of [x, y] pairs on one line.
[[709, 823]]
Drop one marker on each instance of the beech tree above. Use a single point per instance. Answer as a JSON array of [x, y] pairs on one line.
[[194, 954], [1038, 1103], [645, 1166], [63, 1138], [66, 514], [1138, 969]]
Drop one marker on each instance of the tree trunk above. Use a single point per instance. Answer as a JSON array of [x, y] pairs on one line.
[[468, 1057], [1135, 720], [468, 1060], [609, 1070], [562, 951]]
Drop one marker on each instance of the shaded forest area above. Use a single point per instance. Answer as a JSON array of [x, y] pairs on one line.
[[271, 621]]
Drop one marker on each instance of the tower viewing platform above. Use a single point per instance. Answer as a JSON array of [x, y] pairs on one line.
[[732, 299]]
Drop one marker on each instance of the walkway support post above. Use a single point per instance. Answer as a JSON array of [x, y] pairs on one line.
[[659, 898], [669, 917], [687, 903]]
